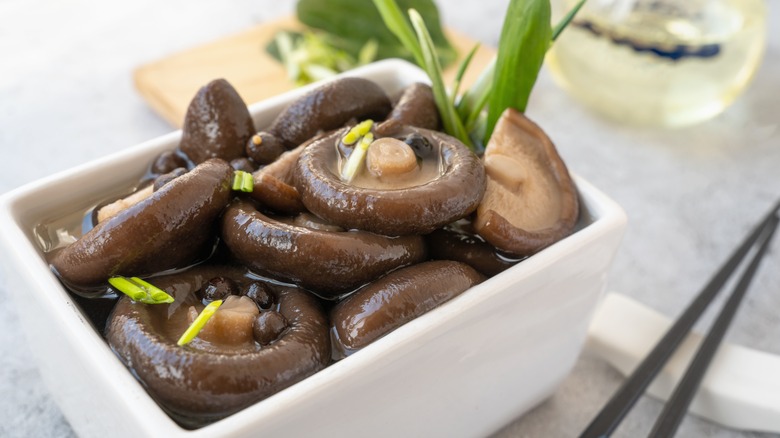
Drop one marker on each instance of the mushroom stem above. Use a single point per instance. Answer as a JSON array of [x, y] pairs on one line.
[[390, 157]]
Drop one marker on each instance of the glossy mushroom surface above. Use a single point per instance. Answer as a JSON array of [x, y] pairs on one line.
[[415, 107], [326, 262], [459, 242], [419, 209], [169, 229], [396, 299], [328, 107], [217, 124], [530, 201], [204, 381]]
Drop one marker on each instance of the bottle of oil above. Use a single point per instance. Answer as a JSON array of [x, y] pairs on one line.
[[660, 62]]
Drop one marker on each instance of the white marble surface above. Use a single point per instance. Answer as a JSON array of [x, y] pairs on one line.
[[66, 97]]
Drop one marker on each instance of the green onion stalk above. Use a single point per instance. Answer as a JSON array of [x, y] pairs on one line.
[[506, 82], [140, 290]]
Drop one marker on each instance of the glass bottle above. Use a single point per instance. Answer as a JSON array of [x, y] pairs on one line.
[[660, 62]]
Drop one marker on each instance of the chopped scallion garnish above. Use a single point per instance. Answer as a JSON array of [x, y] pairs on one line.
[[355, 160], [197, 325], [357, 131], [140, 290], [242, 181]]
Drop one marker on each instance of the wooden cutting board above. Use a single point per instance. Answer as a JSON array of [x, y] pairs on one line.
[[169, 84]]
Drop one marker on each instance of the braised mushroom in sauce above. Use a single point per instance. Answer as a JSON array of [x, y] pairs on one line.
[[285, 249]]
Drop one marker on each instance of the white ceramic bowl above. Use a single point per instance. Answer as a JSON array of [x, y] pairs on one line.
[[464, 369]]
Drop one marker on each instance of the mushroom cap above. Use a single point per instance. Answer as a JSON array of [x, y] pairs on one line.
[[397, 298], [217, 124], [328, 107], [392, 212], [169, 229], [198, 384], [530, 201], [415, 107], [330, 263]]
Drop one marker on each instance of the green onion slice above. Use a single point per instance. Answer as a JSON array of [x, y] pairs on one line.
[[140, 290], [357, 131], [242, 181], [197, 325], [355, 160]]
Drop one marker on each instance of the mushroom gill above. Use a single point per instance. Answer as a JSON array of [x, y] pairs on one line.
[[530, 201]]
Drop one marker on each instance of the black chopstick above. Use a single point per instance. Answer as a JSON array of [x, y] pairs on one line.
[[610, 416], [677, 405]]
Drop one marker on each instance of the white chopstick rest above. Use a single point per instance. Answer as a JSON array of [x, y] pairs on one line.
[[741, 389]]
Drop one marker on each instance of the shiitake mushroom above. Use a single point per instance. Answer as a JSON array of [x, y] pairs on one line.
[[531, 201], [396, 299], [328, 107], [217, 124], [273, 184], [169, 229], [225, 368], [330, 263], [459, 242], [417, 209], [415, 107]]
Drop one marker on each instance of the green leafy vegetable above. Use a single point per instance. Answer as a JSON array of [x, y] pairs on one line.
[[567, 19], [140, 290], [419, 42], [309, 56], [461, 71], [197, 325], [525, 38], [368, 52], [449, 116], [505, 83], [350, 23], [473, 101]]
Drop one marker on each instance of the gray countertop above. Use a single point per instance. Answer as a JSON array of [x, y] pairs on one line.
[[66, 97]]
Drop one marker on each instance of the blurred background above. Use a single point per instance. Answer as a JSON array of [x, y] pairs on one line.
[[67, 97]]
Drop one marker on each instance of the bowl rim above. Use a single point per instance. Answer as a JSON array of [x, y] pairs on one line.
[[17, 212]]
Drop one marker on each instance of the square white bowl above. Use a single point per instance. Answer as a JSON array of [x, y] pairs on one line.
[[464, 369]]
